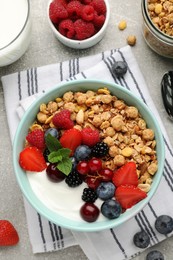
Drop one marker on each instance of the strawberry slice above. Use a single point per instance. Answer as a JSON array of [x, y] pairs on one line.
[[126, 174], [32, 159], [128, 195], [71, 139]]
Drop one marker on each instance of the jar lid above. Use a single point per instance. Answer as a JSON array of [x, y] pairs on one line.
[[13, 17]]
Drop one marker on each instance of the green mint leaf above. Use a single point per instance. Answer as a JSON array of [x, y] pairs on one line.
[[65, 166], [52, 143], [54, 157], [65, 152]]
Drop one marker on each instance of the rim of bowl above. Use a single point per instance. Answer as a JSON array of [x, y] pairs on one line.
[[25, 22], [65, 39], [61, 220]]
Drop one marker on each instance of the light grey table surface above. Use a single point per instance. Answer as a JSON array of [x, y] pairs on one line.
[[45, 49]]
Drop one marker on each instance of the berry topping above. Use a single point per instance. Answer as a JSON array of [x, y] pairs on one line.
[[164, 224], [141, 239], [111, 209], [36, 138], [106, 174], [82, 152], [71, 139], [52, 131], [90, 137], [83, 168], [155, 255], [98, 20], [99, 6], [8, 234], [73, 179], [100, 149], [126, 174], [57, 12], [87, 13], [74, 9], [105, 190], [54, 174], [66, 28], [119, 68], [89, 212], [31, 159], [92, 182], [95, 165], [83, 29], [128, 196], [89, 195], [62, 119]]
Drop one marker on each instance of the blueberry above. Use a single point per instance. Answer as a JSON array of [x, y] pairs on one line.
[[53, 132], [164, 224], [105, 190], [119, 68], [111, 209], [82, 152], [74, 162], [155, 255], [141, 239]]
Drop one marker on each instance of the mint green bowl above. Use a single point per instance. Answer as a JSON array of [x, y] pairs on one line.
[[27, 120]]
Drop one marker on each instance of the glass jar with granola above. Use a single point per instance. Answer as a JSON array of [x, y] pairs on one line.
[[157, 26]]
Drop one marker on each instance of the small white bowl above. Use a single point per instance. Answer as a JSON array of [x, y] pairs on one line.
[[83, 44]]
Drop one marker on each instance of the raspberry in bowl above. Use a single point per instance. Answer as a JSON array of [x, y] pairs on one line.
[[78, 24], [94, 161]]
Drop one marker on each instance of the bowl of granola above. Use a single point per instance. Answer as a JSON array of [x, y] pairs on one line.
[[78, 24], [88, 155]]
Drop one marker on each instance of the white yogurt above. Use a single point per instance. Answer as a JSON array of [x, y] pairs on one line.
[[15, 30], [59, 197]]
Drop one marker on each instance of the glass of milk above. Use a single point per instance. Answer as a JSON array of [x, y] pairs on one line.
[[15, 30]]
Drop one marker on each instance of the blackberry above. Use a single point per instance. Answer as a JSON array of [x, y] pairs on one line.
[[73, 179], [89, 195], [100, 149]]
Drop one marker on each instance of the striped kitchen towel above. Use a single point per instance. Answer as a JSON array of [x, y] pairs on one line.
[[116, 243]]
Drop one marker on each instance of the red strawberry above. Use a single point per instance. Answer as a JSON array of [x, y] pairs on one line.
[[89, 136], [8, 234], [126, 174], [36, 138], [31, 159], [128, 195], [71, 139], [62, 119]]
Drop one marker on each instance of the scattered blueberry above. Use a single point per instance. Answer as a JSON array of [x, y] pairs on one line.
[[119, 68], [155, 255], [141, 239], [52, 131], [111, 209], [82, 152], [105, 190], [164, 224]]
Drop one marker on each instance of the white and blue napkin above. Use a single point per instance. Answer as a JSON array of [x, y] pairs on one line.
[[22, 88]]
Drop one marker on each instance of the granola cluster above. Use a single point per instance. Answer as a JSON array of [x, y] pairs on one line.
[[121, 127], [161, 14]]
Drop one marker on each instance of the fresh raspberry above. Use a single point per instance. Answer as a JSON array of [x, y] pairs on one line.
[[62, 119], [63, 2], [57, 12], [99, 6], [86, 2], [98, 20], [74, 9], [83, 29], [36, 138], [66, 28], [90, 137], [87, 13]]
